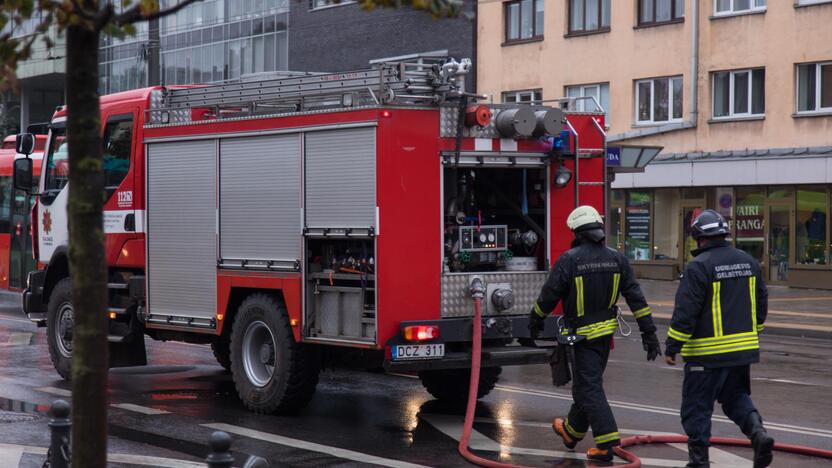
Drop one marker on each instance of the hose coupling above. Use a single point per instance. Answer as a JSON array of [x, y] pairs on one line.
[[477, 288]]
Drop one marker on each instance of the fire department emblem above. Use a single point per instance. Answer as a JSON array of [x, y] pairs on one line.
[[47, 222]]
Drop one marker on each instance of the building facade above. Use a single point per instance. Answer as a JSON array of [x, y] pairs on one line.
[[737, 92], [219, 40]]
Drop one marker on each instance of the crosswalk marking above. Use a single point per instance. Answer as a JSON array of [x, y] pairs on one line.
[[140, 409], [8, 451], [311, 446], [55, 391]]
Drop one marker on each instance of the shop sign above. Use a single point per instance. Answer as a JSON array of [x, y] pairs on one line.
[[750, 221], [613, 156]]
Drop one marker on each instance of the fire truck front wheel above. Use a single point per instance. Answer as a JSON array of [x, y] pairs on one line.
[[271, 371], [59, 326], [451, 385]]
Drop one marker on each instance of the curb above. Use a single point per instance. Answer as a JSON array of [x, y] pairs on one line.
[[775, 330]]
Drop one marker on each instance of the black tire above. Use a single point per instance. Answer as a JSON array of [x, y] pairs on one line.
[[294, 375], [222, 352], [451, 385], [60, 303]]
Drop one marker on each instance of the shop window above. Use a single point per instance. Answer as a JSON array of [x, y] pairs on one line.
[[811, 225], [666, 228], [637, 225], [749, 224], [724, 202]]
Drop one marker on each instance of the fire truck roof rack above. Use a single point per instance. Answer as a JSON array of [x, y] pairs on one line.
[[420, 81]]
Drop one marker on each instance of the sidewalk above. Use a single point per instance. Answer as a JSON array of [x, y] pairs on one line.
[[791, 311]]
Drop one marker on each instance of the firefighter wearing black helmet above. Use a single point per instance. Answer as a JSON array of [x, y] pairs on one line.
[[588, 279], [720, 308]]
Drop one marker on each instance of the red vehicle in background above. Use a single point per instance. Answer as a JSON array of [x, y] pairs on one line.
[[16, 258]]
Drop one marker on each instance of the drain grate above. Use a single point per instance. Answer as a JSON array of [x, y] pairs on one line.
[[8, 417]]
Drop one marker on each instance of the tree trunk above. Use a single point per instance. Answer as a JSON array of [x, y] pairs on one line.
[[87, 265]]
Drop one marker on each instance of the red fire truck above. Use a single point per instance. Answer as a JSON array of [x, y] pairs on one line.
[[334, 219]]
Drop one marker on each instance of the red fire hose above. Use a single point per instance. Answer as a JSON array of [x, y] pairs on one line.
[[635, 462]]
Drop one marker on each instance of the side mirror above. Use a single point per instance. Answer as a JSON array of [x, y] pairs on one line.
[[23, 174], [25, 143]]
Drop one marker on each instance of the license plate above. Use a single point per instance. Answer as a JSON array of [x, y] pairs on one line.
[[428, 351]]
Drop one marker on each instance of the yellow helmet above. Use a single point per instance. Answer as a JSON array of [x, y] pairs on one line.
[[583, 218]]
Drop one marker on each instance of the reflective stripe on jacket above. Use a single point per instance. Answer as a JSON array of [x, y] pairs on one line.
[[720, 308], [588, 279]]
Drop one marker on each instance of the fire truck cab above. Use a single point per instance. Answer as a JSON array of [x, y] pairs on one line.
[[299, 222]]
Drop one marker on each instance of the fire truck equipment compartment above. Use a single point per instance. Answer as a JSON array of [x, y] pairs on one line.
[[260, 199], [181, 232]]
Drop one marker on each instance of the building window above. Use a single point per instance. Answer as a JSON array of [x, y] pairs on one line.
[[814, 87], [660, 11], [812, 2], [739, 93], [637, 225], [522, 96], [811, 225], [524, 20], [599, 91], [728, 7], [316, 4], [589, 15], [659, 100]]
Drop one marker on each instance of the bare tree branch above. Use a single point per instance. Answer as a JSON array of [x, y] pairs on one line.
[[135, 14]]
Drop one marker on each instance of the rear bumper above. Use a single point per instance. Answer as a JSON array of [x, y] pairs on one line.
[[497, 333]]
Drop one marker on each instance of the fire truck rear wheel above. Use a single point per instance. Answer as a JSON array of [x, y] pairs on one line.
[[271, 371], [59, 326], [451, 385], [222, 352]]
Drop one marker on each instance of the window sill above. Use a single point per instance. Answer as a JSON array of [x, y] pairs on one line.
[[522, 41], [587, 33], [751, 118], [805, 115], [808, 266], [806, 5], [663, 23], [656, 124], [739, 13]]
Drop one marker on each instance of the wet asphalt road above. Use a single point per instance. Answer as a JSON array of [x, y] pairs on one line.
[[169, 408]]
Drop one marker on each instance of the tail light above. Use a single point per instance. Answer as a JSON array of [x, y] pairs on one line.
[[421, 332], [33, 228]]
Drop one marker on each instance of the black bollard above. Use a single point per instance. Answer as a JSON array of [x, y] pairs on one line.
[[220, 456], [59, 455]]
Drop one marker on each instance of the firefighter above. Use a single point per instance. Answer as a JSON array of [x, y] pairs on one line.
[[720, 308], [588, 279]]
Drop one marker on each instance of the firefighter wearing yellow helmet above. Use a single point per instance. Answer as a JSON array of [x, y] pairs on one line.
[[588, 280]]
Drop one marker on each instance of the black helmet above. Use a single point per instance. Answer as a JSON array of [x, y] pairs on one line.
[[709, 223]]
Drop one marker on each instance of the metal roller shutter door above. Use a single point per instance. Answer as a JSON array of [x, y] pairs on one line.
[[260, 198], [341, 178], [181, 229]]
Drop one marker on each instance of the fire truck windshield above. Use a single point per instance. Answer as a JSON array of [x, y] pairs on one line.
[[57, 163]]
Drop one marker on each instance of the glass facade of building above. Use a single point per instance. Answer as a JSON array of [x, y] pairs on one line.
[[786, 228], [208, 41]]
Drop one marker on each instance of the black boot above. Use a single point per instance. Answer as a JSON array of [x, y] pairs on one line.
[[760, 440], [698, 456]]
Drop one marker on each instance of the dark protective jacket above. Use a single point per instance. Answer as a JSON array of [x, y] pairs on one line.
[[588, 279], [720, 309]]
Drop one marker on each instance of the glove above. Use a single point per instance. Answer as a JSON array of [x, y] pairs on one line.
[[650, 342], [536, 324]]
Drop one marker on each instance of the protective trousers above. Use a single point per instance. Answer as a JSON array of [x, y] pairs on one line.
[[731, 386], [590, 408]]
